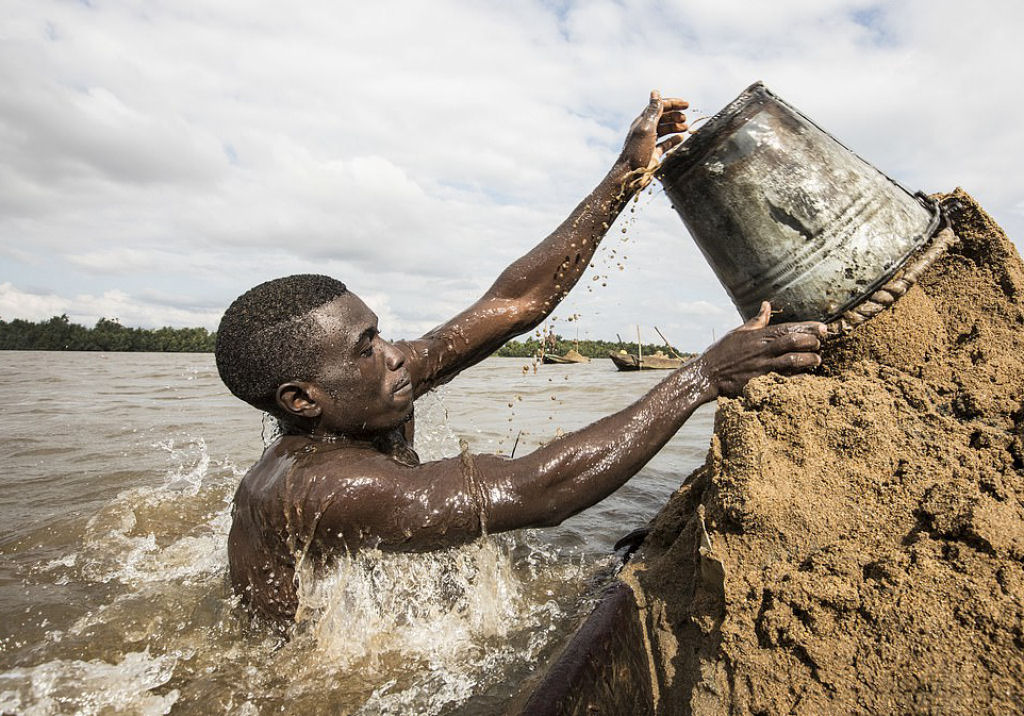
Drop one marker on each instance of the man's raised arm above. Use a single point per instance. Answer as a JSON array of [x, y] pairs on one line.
[[529, 289], [452, 501]]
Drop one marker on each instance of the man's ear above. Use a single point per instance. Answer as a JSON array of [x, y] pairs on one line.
[[298, 399]]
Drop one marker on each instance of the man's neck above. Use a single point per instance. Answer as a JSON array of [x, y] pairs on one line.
[[390, 442]]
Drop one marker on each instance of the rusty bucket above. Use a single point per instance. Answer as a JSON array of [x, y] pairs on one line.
[[784, 212]]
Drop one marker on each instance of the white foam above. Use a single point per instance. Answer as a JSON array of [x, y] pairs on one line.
[[190, 464], [90, 687], [434, 436], [435, 628], [114, 550]]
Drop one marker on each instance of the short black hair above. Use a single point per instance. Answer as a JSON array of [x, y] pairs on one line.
[[263, 338]]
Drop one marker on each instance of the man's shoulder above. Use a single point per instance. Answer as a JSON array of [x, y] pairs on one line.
[[295, 469]]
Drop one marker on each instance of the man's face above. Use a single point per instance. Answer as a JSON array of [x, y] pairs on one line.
[[364, 378]]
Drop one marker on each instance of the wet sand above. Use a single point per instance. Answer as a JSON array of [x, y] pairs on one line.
[[854, 542]]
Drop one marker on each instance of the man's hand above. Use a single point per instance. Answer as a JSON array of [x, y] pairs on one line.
[[755, 348], [661, 118]]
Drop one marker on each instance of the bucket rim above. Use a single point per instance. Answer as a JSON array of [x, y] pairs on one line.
[[693, 153], [680, 159], [688, 153]]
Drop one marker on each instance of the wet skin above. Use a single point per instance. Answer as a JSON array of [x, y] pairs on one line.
[[347, 478]]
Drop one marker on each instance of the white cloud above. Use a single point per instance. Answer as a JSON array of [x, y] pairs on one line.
[[699, 308], [31, 307], [158, 159], [87, 309], [118, 260]]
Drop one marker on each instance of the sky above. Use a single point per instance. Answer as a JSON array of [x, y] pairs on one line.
[[159, 158]]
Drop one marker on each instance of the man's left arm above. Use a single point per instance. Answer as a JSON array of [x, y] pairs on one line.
[[376, 502], [529, 289]]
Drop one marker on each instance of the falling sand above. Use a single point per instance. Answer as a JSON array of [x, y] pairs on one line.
[[855, 540]]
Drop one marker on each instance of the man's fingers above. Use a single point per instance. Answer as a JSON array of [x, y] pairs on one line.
[[654, 107], [675, 117], [796, 362], [672, 122], [812, 327], [797, 341], [669, 144], [760, 320], [671, 128], [664, 129], [673, 103]]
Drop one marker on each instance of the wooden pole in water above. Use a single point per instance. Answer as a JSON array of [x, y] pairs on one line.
[[669, 345], [639, 350]]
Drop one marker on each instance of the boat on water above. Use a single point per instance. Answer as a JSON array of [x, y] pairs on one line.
[[571, 356], [652, 361], [655, 361]]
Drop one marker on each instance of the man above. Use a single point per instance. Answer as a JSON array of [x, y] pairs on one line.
[[343, 475]]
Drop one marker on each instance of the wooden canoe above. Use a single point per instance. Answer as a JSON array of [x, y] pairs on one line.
[[655, 361], [571, 356]]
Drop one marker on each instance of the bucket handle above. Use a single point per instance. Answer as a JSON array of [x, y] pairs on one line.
[[897, 286]]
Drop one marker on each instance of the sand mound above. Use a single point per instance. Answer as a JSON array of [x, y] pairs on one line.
[[855, 541]]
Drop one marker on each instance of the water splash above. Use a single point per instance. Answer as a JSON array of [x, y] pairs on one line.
[[434, 629], [435, 439], [141, 595], [90, 687], [174, 531], [190, 464]]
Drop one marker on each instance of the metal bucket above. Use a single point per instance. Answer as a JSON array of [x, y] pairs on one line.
[[785, 213]]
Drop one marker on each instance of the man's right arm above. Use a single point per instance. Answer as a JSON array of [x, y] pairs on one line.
[[530, 288], [582, 468], [452, 501]]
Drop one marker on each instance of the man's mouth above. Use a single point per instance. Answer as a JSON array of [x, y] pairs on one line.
[[403, 386]]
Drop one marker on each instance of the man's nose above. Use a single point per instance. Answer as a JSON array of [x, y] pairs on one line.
[[394, 358]]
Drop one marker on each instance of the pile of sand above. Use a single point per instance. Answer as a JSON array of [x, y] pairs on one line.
[[855, 541]]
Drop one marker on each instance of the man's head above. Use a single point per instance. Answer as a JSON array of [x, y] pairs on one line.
[[306, 350]]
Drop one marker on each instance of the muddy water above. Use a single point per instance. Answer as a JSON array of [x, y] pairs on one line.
[[118, 471]]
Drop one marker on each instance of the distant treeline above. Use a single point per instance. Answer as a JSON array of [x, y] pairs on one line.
[[592, 349], [59, 334]]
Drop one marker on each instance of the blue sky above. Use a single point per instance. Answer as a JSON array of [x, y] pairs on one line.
[[159, 158]]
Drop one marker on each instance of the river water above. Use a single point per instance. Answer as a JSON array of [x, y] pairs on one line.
[[118, 473]]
